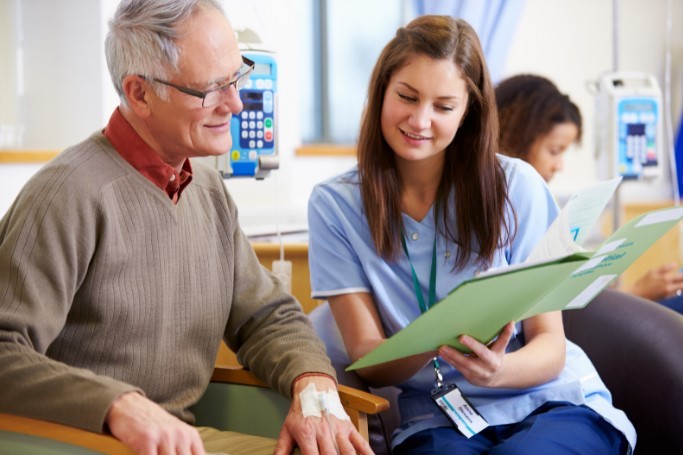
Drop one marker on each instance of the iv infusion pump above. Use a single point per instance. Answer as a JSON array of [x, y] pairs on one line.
[[254, 130], [630, 134]]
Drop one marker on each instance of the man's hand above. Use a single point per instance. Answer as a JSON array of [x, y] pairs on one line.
[[314, 435], [146, 428]]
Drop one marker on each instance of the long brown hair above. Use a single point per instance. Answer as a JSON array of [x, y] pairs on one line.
[[471, 170]]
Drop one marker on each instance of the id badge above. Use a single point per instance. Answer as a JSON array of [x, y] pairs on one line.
[[459, 410]]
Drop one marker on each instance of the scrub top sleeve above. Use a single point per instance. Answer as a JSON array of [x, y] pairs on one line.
[[535, 209], [334, 263]]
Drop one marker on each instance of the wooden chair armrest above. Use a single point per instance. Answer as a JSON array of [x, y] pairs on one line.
[[50, 431], [357, 403], [353, 398], [361, 400], [232, 375]]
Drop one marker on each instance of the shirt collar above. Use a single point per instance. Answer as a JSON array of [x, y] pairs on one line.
[[144, 159]]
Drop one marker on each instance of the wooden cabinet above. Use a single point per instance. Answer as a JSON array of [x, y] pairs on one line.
[[666, 249], [298, 254]]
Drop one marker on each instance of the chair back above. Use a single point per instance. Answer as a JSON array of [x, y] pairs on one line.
[[253, 410], [636, 346]]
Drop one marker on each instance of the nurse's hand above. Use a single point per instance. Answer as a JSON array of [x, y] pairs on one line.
[[484, 366]]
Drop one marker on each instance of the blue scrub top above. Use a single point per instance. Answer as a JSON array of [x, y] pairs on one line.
[[343, 260]]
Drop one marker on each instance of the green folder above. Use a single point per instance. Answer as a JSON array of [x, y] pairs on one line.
[[482, 306]]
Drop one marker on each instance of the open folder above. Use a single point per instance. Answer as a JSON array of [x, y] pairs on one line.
[[481, 306]]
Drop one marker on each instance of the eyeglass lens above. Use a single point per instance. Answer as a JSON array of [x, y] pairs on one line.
[[215, 96]]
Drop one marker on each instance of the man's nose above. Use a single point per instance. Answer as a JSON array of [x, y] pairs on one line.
[[232, 101]]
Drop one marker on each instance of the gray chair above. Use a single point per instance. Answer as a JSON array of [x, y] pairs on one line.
[[636, 346]]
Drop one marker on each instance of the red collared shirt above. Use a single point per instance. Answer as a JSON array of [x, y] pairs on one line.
[[144, 159]]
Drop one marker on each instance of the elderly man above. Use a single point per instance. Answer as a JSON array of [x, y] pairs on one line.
[[122, 264]]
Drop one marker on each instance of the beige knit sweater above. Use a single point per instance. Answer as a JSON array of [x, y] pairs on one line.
[[106, 286]]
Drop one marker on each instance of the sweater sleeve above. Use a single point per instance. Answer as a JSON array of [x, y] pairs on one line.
[[267, 327], [46, 240]]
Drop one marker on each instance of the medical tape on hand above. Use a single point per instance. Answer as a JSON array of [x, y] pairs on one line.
[[314, 403]]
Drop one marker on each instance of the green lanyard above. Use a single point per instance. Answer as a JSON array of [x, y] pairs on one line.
[[416, 283], [420, 298]]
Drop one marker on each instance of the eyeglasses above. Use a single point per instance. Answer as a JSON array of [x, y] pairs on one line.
[[214, 96]]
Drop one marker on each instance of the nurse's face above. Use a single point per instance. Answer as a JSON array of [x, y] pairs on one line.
[[547, 152], [424, 104]]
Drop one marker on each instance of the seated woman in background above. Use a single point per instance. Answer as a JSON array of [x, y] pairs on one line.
[[538, 123], [429, 204]]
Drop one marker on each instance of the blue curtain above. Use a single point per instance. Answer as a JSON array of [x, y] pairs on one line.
[[678, 152], [494, 20]]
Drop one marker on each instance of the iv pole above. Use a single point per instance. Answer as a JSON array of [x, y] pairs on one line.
[[616, 211]]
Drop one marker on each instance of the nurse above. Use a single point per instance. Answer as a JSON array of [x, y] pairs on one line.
[[429, 204]]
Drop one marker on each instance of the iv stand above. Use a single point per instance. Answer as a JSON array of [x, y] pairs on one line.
[[616, 210]]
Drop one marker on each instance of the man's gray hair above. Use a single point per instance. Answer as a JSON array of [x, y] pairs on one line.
[[142, 38]]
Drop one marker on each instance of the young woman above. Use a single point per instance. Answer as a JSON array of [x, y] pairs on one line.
[[538, 123], [429, 204]]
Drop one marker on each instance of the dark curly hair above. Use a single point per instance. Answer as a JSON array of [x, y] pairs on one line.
[[529, 107]]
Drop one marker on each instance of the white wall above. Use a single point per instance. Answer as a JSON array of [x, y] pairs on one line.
[[58, 100], [571, 43], [69, 94], [62, 72]]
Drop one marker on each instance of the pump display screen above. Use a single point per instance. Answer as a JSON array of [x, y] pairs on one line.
[[252, 101], [636, 106], [263, 69], [635, 129]]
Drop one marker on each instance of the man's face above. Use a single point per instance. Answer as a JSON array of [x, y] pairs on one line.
[[209, 57]]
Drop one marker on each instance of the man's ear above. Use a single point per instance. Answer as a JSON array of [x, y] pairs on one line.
[[137, 91]]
